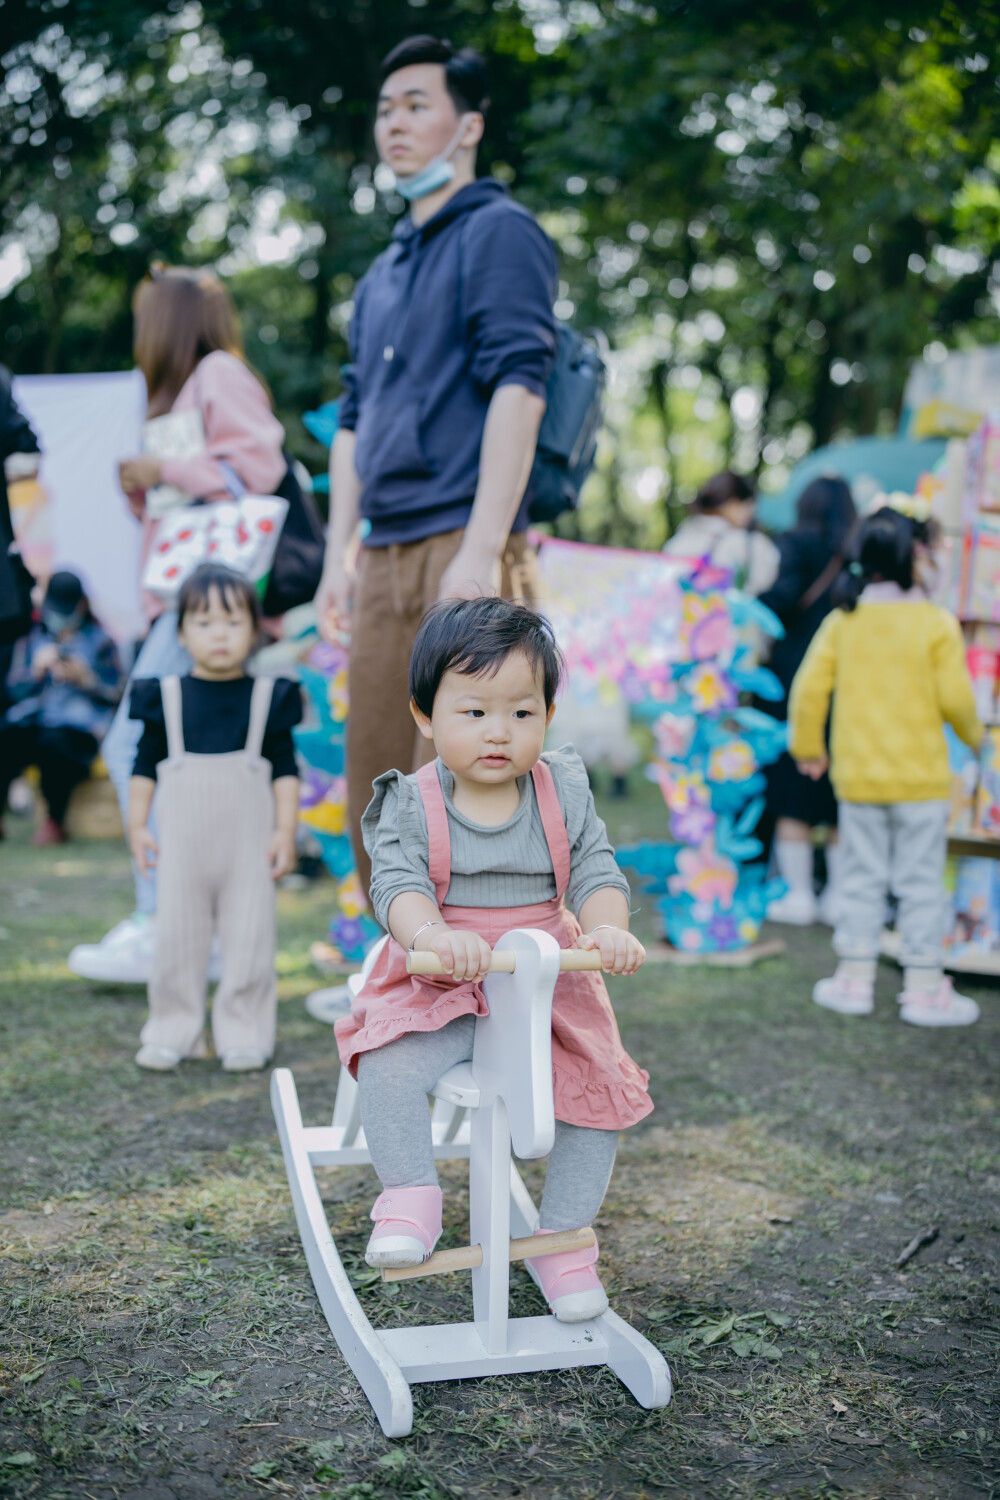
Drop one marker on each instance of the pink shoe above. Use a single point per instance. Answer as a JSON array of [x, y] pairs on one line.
[[570, 1286], [937, 1007], [851, 997], [407, 1226]]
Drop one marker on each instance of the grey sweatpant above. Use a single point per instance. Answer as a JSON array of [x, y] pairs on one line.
[[898, 847], [394, 1082]]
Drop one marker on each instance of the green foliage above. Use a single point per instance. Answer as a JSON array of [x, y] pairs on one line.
[[769, 208]]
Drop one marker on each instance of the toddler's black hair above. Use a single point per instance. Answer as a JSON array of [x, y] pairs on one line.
[[475, 637], [881, 549], [232, 588]]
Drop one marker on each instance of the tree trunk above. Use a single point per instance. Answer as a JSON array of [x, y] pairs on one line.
[[823, 406], [659, 390]]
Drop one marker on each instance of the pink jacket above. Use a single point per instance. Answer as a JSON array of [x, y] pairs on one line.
[[240, 428]]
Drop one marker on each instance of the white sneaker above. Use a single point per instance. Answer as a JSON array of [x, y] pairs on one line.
[[330, 1004], [850, 997], [125, 954], [158, 1059], [827, 907], [795, 908], [244, 1062], [937, 1007]]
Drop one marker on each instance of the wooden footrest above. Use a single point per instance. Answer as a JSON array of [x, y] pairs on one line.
[[468, 1257]]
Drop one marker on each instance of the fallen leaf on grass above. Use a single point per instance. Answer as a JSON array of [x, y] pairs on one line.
[[714, 1333], [748, 1344], [839, 1406]]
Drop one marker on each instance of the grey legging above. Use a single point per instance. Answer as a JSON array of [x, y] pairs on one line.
[[394, 1082]]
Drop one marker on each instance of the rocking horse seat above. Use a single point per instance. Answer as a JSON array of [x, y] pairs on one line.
[[459, 1087]]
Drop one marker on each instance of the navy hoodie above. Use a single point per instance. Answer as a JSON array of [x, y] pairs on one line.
[[448, 313]]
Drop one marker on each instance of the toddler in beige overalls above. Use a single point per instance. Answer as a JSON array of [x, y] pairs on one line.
[[216, 814]]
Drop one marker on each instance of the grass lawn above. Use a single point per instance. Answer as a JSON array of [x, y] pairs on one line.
[[161, 1337]]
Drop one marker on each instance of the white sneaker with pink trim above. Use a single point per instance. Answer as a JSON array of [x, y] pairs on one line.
[[846, 994], [569, 1283], [937, 1007], [407, 1226]]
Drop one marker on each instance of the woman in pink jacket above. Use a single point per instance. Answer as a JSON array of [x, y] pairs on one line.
[[189, 347]]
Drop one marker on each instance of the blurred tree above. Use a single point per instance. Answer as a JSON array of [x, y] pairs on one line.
[[769, 207], [786, 202]]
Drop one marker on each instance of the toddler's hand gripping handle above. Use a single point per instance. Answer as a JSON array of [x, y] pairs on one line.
[[570, 959]]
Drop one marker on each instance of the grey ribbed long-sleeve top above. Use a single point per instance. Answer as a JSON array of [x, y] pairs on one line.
[[504, 866]]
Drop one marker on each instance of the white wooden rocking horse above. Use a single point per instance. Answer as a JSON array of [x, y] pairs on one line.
[[503, 1098]]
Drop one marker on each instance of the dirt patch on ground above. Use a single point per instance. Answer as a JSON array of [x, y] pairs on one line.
[[24, 1232]]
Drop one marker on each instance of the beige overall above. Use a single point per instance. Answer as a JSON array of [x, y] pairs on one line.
[[216, 816]]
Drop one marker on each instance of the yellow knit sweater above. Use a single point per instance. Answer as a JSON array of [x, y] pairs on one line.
[[898, 673]]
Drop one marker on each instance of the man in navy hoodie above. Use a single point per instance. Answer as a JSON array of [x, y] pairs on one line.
[[452, 341]]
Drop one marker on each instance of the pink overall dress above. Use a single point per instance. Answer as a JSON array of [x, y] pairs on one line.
[[595, 1082]]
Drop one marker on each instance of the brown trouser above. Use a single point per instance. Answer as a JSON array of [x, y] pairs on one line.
[[395, 586]]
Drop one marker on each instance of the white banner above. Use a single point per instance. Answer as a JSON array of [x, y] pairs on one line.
[[85, 424]]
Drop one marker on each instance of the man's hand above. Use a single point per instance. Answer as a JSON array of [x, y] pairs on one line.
[[281, 852], [72, 669], [138, 474], [144, 849], [334, 601], [464, 955], [43, 661], [621, 953], [471, 574], [814, 768]]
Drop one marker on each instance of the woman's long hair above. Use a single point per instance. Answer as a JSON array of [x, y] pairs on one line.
[[181, 314], [881, 551], [826, 506]]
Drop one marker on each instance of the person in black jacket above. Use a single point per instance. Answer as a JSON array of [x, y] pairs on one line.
[[812, 556], [16, 436]]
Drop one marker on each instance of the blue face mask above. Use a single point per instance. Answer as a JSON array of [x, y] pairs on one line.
[[437, 173], [58, 624]]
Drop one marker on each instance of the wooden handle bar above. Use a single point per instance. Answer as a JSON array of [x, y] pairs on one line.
[[503, 963], [467, 1257]]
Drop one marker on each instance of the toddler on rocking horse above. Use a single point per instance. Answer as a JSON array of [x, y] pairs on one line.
[[492, 835]]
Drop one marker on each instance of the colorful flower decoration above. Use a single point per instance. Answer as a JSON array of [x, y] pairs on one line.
[[732, 761], [680, 643], [323, 805], [705, 875], [709, 688], [674, 733]]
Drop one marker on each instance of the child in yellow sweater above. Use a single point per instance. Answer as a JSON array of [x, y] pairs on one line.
[[895, 665]]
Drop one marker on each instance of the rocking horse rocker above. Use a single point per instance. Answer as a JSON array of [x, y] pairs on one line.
[[501, 1100]]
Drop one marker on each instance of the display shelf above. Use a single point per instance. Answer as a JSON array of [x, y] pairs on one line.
[[985, 964], [974, 846], [735, 958]]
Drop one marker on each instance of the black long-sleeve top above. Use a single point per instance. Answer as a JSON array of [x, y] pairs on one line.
[[216, 718]]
